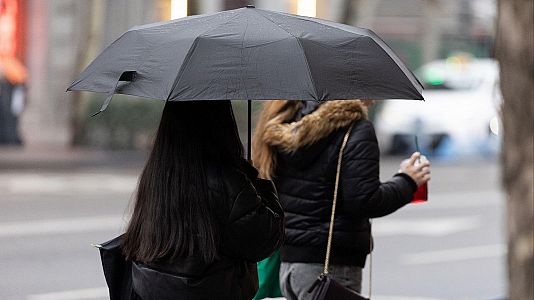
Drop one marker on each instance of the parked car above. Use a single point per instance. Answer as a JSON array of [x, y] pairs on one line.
[[459, 117]]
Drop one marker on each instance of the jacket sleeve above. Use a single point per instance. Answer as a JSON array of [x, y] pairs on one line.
[[363, 193], [255, 225]]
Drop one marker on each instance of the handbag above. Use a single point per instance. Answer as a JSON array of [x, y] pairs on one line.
[[128, 280], [325, 287], [268, 275], [117, 270]]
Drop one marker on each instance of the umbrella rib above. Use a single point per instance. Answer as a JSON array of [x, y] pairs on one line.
[[189, 54], [78, 80], [415, 82], [302, 48]]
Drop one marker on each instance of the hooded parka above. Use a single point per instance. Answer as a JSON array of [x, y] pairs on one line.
[[307, 151]]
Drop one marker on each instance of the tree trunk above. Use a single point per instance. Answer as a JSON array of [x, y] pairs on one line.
[[347, 16], [233, 4], [431, 32], [515, 52], [89, 30]]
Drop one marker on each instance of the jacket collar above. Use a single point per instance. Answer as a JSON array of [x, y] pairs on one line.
[[327, 118]]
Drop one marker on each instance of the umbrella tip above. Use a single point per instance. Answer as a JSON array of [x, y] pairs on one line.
[[96, 113], [250, 6]]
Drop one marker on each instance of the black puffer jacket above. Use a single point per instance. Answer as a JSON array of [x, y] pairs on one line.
[[305, 175], [252, 221]]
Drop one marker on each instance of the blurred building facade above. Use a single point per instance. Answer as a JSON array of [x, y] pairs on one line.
[[13, 74], [61, 35], [58, 38]]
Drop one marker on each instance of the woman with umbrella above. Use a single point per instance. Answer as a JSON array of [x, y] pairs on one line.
[[202, 217], [297, 144], [251, 53]]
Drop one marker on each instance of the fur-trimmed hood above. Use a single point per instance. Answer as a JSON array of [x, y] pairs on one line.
[[327, 118]]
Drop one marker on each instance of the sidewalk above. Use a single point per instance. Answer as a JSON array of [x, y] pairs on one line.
[[19, 158]]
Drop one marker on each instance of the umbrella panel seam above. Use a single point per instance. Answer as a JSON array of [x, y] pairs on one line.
[[303, 52], [409, 75], [188, 56], [383, 46]]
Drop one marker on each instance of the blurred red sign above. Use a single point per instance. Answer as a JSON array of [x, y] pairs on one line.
[[8, 27], [10, 67]]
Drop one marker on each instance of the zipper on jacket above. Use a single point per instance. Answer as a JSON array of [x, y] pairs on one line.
[[277, 216]]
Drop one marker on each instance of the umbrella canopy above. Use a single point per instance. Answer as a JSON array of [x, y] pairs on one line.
[[246, 54], [249, 53]]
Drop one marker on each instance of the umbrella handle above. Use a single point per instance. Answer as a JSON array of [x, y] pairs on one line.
[[125, 76], [249, 125]]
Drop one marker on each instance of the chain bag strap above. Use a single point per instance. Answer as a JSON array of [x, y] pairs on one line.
[[332, 217], [336, 188]]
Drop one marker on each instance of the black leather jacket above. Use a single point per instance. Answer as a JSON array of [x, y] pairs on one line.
[[252, 225]]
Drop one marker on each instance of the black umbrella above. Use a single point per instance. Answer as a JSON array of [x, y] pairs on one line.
[[246, 54]]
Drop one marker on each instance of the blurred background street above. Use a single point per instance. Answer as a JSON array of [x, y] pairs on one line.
[[66, 179], [452, 247]]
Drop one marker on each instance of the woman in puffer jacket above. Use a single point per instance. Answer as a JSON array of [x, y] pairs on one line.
[[296, 144], [202, 217]]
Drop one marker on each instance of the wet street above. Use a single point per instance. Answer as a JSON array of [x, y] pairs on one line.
[[452, 247]]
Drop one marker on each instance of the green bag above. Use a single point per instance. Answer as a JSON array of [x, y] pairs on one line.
[[268, 275]]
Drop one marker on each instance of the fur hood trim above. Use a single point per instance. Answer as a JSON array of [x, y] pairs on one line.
[[327, 118]]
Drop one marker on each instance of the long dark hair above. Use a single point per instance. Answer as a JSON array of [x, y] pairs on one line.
[[172, 215]]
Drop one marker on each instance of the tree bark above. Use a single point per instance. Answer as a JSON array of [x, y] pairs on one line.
[[431, 33], [348, 11], [89, 31], [515, 52], [233, 4]]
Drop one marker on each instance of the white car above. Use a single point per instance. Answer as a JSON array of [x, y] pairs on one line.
[[459, 117]]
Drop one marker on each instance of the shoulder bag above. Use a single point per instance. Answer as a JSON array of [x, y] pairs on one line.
[[325, 287]]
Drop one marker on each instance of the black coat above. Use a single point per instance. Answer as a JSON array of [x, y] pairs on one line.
[[305, 180], [252, 229]]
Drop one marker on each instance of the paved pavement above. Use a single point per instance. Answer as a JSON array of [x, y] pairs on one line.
[[50, 212]]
